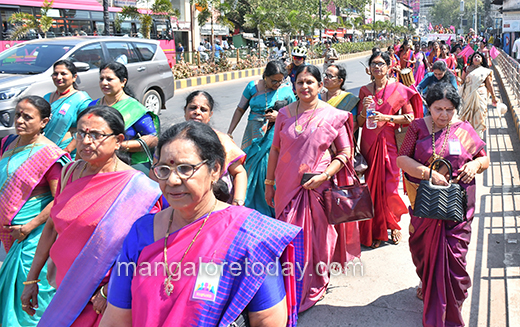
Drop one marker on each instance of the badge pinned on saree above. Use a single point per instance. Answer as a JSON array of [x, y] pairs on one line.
[[64, 108], [206, 285], [455, 148]]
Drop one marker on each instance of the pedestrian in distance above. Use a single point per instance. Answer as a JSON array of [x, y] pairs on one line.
[[439, 247]]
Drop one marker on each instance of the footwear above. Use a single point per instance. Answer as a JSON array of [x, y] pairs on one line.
[[396, 236], [419, 293], [375, 244]]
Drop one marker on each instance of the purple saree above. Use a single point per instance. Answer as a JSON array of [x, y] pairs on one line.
[[439, 247]]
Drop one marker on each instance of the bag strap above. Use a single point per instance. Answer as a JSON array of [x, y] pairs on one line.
[[349, 165], [66, 172], [146, 149], [446, 162]]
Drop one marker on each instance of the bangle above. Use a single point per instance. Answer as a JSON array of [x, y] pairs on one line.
[[422, 173], [269, 182], [102, 293], [479, 166], [29, 282], [238, 202], [364, 116], [327, 174]]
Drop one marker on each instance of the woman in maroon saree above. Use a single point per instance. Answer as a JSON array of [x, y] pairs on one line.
[[439, 247], [395, 104]]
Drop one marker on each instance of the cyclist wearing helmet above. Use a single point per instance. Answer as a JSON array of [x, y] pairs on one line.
[[298, 54]]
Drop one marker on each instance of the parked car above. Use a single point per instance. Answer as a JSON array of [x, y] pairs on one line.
[[26, 69]]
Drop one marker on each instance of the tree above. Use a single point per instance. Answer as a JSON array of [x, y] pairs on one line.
[[159, 8], [261, 20], [446, 12], [25, 22]]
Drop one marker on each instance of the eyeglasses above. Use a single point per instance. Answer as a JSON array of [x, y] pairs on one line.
[[329, 76], [275, 82], [377, 64], [184, 171], [94, 136], [298, 58]]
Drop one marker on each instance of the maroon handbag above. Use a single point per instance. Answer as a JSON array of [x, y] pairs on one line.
[[344, 204]]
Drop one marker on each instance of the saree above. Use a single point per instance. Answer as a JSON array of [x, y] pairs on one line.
[[475, 98], [259, 102], [419, 68], [438, 247], [309, 152], [233, 154], [92, 219], [132, 110], [64, 116], [236, 237], [379, 148], [28, 165], [345, 101]]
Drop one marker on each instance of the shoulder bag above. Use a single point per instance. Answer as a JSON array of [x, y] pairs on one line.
[[440, 202]]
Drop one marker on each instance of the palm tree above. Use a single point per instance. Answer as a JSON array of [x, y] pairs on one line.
[[25, 22], [261, 20]]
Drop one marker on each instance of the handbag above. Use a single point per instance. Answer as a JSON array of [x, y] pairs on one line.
[[438, 201], [350, 203], [359, 162]]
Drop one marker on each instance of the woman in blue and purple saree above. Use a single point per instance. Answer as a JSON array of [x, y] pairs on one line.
[[30, 168], [439, 247], [97, 201], [202, 262]]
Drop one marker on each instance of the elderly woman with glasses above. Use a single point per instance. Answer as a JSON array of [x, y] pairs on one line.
[[395, 105], [88, 223], [205, 247]]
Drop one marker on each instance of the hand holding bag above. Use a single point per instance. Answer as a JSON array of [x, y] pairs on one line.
[[351, 203], [440, 202]]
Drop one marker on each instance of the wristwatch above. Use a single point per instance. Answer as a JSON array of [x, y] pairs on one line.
[[238, 202], [391, 119]]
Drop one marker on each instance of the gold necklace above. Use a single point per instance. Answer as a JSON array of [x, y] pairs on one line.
[[117, 100], [16, 145], [168, 281], [380, 101], [86, 164], [435, 155], [299, 128]]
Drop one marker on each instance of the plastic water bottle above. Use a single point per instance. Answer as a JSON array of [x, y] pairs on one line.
[[371, 111]]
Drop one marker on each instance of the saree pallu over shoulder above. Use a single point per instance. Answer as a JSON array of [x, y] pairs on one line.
[[474, 99], [346, 101], [232, 151], [236, 236], [130, 196], [17, 187], [130, 109]]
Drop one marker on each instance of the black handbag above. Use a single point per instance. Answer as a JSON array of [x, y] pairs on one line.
[[438, 201]]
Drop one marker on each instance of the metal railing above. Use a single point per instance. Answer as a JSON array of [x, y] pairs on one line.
[[511, 74]]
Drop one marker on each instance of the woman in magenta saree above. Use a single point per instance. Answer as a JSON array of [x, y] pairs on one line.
[[395, 104], [90, 219], [167, 272], [298, 150], [439, 247]]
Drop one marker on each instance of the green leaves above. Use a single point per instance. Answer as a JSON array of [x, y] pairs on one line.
[[25, 22]]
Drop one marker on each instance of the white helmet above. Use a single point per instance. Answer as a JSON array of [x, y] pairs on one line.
[[299, 52]]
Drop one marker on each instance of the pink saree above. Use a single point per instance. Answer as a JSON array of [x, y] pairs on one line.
[[379, 148], [92, 218], [236, 237], [439, 248], [309, 152]]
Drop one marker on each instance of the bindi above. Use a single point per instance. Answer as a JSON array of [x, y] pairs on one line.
[[172, 162]]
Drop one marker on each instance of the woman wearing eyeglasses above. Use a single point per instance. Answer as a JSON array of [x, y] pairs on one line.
[[208, 247], [66, 103], [395, 105], [141, 125], [29, 171], [333, 79], [97, 200]]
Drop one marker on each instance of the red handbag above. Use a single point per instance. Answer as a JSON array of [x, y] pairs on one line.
[[344, 204]]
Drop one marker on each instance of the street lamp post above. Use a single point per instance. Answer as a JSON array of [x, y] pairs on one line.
[[106, 20], [319, 13], [476, 32]]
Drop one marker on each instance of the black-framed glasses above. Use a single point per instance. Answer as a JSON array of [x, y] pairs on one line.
[[275, 82], [377, 64], [184, 171], [94, 136], [329, 76]]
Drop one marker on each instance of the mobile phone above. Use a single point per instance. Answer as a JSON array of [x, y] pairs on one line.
[[306, 177]]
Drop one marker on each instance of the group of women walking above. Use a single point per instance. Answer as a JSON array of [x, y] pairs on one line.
[[83, 235]]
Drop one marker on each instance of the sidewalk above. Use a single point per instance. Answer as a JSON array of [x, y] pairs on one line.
[[385, 295]]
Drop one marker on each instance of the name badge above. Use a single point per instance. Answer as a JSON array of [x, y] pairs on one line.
[[64, 108], [455, 148], [206, 285]]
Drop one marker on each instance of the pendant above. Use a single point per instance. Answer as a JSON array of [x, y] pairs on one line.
[[379, 101], [298, 129], [168, 286]]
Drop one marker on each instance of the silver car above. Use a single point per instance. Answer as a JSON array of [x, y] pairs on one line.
[[26, 69]]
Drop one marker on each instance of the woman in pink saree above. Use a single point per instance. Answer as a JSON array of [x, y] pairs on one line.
[[305, 133], [88, 222], [419, 68], [439, 247], [395, 104]]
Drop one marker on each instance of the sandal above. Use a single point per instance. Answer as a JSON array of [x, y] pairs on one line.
[[375, 244], [419, 293], [396, 236]]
